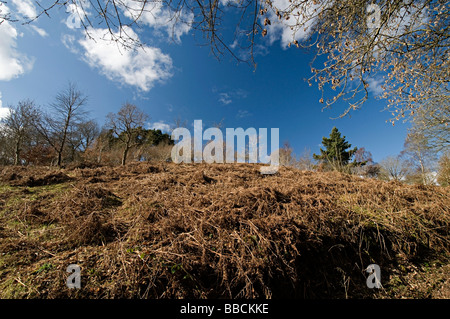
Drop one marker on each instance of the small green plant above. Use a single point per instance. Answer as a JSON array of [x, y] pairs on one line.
[[93, 272], [175, 268], [132, 250], [252, 239], [44, 268]]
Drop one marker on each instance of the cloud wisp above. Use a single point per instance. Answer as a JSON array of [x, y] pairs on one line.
[[227, 97]]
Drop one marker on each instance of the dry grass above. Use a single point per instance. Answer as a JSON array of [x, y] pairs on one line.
[[159, 230]]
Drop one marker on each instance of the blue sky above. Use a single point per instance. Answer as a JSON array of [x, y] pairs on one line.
[[181, 79]]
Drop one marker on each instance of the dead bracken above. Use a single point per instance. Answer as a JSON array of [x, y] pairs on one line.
[[164, 230]]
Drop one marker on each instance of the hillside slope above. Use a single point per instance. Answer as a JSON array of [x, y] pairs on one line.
[[161, 230]]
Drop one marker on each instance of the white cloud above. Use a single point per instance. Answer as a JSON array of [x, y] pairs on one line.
[[235, 44], [229, 2], [227, 97], [158, 16], [77, 13], [26, 8], [39, 31], [224, 98], [142, 68], [405, 20], [154, 14], [12, 62], [70, 42], [164, 127], [285, 29], [243, 113], [242, 51], [375, 85], [3, 110]]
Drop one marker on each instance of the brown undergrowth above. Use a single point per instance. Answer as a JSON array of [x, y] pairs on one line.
[[162, 230]]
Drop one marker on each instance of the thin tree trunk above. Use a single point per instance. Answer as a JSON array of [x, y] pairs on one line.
[[17, 151], [99, 157], [17, 157], [124, 156], [59, 158], [64, 138], [422, 169]]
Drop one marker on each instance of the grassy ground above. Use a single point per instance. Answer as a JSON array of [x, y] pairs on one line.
[[160, 230]]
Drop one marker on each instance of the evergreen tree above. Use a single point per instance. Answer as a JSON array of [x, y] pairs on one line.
[[335, 152]]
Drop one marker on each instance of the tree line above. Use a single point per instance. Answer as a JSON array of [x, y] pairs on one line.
[[417, 163], [64, 134], [406, 52]]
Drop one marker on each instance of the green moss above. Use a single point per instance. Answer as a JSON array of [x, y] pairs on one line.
[[12, 289], [5, 188]]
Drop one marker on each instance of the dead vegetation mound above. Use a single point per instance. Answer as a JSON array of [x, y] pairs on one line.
[[159, 230], [32, 177]]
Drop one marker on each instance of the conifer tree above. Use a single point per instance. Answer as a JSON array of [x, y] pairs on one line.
[[335, 153]]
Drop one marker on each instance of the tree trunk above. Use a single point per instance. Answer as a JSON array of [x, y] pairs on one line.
[[124, 155], [59, 159], [99, 157], [17, 157], [64, 137], [17, 153], [423, 171]]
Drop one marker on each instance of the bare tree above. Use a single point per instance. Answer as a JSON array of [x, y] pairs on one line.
[[5, 142], [305, 161], [432, 120], [287, 157], [80, 137], [67, 112], [178, 123], [102, 143], [126, 125], [363, 164], [83, 134], [395, 167], [18, 126], [89, 131], [443, 177], [419, 153]]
